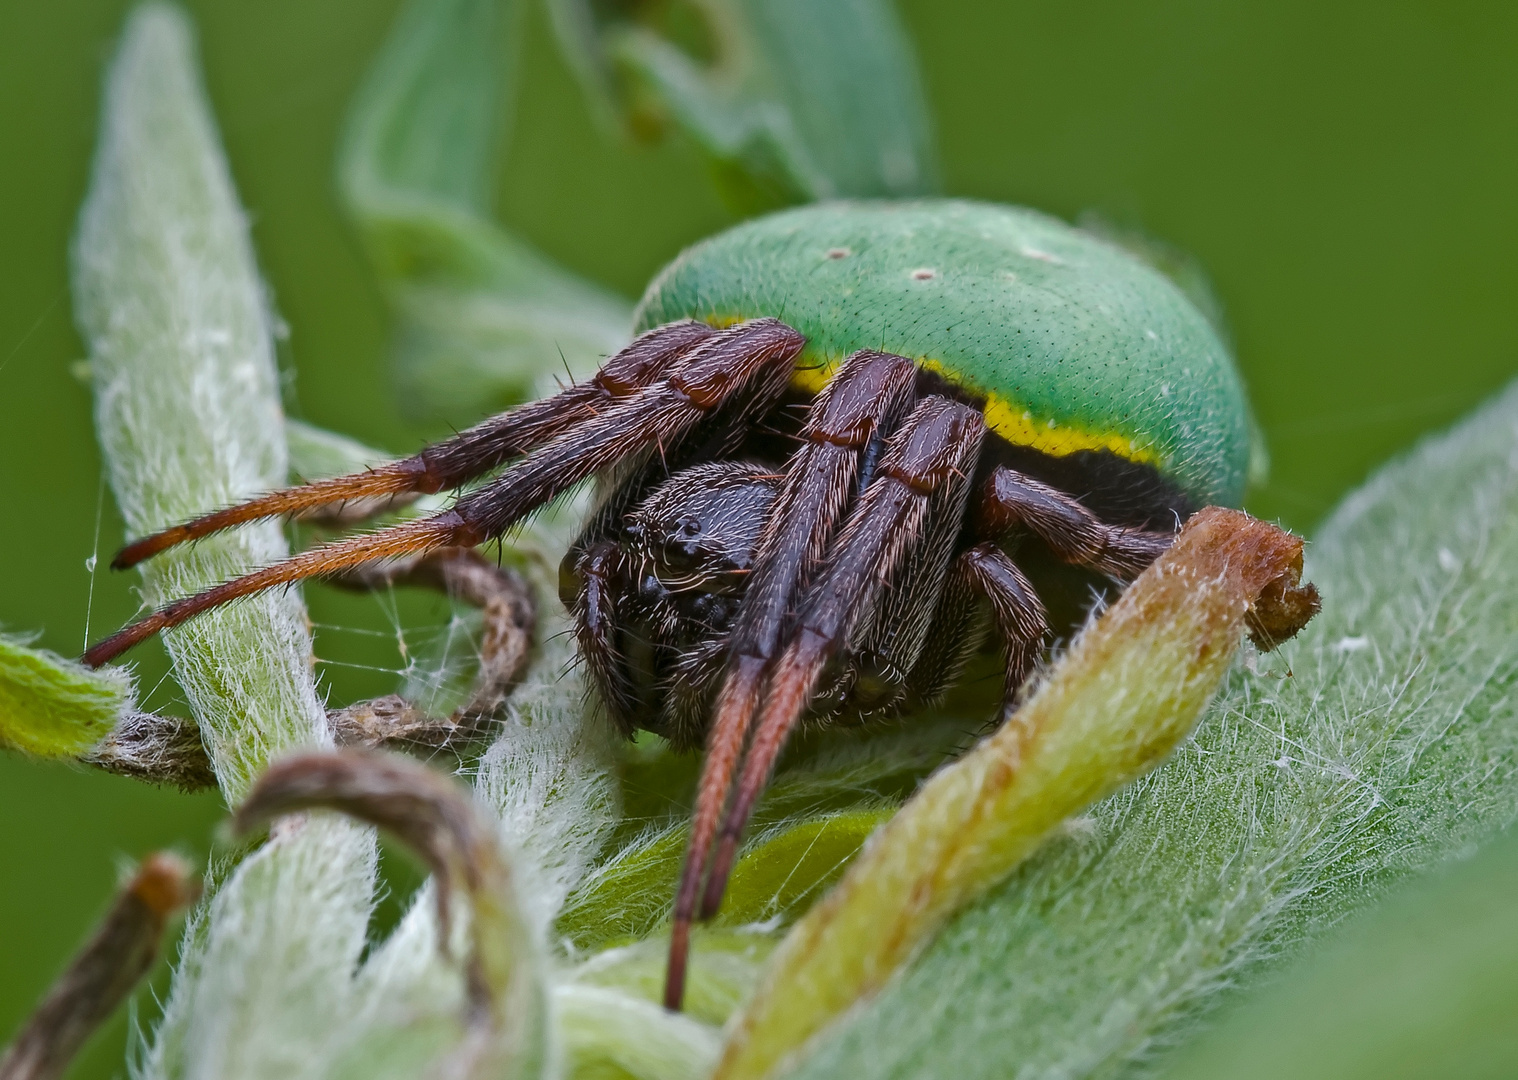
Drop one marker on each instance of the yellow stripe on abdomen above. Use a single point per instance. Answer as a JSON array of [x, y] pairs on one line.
[[1005, 417]]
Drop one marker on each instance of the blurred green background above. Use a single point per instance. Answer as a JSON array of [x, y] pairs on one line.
[[1344, 171]]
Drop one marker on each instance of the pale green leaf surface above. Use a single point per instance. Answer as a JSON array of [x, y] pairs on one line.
[[187, 408], [1424, 986], [725, 965], [52, 707], [791, 100], [1382, 743], [482, 317], [168, 297], [607, 1030], [832, 789]]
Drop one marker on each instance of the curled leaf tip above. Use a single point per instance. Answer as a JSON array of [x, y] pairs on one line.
[[1266, 563], [103, 972], [421, 807], [438, 820]]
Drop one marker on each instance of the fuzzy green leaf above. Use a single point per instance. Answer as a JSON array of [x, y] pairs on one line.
[[832, 790], [1424, 986], [1382, 743], [791, 100], [53, 708], [482, 316], [167, 295], [187, 408], [608, 1034]]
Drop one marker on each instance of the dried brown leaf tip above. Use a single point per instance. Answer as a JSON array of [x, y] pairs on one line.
[[104, 972], [438, 820], [1263, 564]]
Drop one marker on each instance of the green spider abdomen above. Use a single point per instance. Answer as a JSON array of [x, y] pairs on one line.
[[1077, 351]]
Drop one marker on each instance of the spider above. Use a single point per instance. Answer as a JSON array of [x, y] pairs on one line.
[[843, 439]]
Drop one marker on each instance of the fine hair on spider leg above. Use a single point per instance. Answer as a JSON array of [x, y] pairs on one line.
[[751, 359], [1073, 533], [935, 447], [457, 460], [869, 393]]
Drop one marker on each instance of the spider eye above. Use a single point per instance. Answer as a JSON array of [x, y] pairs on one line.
[[698, 530]]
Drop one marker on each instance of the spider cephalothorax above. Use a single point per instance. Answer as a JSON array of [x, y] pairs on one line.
[[818, 465], [654, 593]]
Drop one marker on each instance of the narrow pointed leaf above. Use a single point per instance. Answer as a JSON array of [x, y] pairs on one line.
[[187, 407], [168, 297], [790, 100]]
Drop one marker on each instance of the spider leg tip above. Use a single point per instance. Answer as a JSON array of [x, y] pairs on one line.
[[129, 556], [674, 973]]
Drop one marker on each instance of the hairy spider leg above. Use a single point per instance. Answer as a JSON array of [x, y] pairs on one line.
[[932, 454], [594, 607], [934, 448], [1012, 501], [884, 651], [451, 462], [750, 359], [1016, 610], [983, 587], [985, 572], [866, 398], [960, 623]]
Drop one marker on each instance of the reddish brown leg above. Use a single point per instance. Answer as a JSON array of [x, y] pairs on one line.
[[751, 359], [443, 530], [869, 393], [936, 446], [1013, 501], [467, 455]]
